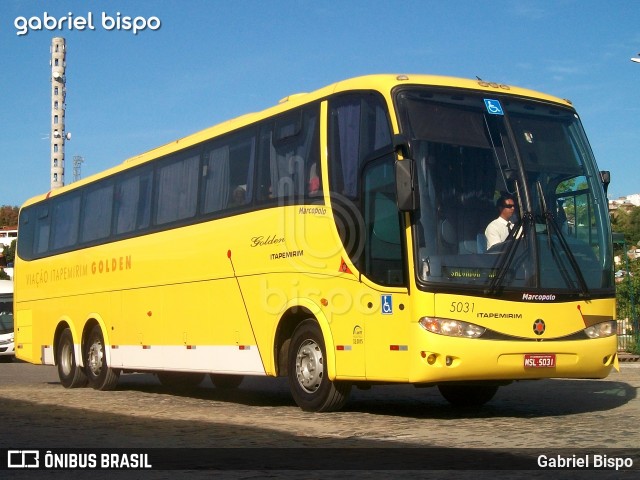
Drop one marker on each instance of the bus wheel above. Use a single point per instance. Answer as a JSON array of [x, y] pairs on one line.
[[71, 376], [224, 381], [99, 374], [180, 380], [468, 395], [308, 380]]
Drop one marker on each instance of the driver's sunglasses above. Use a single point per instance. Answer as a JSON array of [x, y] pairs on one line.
[[509, 205]]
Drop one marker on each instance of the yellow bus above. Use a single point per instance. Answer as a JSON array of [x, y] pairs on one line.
[[337, 239]]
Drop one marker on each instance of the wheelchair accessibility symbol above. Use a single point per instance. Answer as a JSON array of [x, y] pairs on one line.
[[493, 106], [387, 304]]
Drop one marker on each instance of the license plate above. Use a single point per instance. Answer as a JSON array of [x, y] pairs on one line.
[[540, 360]]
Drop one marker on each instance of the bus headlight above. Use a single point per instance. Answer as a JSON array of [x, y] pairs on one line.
[[451, 328], [601, 330]]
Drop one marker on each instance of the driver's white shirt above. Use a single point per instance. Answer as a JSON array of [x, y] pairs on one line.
[[497, 231]]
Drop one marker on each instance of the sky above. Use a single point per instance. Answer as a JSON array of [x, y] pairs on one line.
[[200, 62]]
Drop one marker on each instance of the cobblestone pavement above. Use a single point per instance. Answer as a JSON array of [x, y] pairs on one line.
[[544, 415]]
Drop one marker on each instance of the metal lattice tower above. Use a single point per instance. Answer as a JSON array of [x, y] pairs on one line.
[[77, 167], [58, 94]]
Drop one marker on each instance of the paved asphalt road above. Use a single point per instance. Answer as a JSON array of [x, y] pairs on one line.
[[570, 418]]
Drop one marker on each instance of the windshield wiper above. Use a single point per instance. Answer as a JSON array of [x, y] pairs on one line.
[[552, 227], [520, 231]]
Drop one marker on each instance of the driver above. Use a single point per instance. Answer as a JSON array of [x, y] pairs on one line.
[[500, 228]]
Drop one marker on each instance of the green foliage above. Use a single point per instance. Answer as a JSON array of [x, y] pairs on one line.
[[628, 301], [10, 252], [634, 346], [626, 292], [9, 256], [627, 223], [8, 216], [633, 228]]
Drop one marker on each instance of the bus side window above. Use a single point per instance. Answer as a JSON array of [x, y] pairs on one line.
[[264, 191], [42, 229], [66, 215], [216, 179], [242, 162], [133, 202], [227, 172], [177, 189], [289, 147], [359, 126], [97, 209], [383, 259]]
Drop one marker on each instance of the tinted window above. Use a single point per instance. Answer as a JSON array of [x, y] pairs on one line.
[[177, 190], [383, 261], [228, 173], [66, 212], [42, 228], [133, 201], [290, 156], [186, 186], [359, 126], [96, 213]]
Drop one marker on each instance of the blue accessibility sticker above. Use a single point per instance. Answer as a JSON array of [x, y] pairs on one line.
[[493, 106], [387, 304]]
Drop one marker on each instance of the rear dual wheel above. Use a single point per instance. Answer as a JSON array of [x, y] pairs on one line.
[[99, 374], [70, 374]]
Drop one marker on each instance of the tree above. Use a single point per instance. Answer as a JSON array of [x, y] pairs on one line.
[[628, 223], [627, 302], [633, 226], [10, 253], [8, 216], [629, 285]]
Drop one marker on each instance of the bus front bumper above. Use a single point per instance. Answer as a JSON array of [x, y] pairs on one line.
[[463, 359]]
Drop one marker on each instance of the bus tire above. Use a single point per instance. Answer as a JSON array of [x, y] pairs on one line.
[[308, 376], [225, 381], [70, 375], [180, 380], [99, 374], [467, 395]]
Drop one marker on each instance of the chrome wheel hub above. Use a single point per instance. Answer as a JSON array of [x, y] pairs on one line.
[[309, 366]]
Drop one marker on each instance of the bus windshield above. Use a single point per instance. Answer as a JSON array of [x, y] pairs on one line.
[[476, 153]]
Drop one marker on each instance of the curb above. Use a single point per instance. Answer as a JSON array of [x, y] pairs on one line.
[[628, 357]]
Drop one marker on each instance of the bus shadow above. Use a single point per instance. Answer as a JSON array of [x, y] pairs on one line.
[[533, 398], [253, 392], [526, 399], [215, 447]]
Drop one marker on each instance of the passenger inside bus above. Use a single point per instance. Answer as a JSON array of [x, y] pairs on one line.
[[314, 179], [238, 196]]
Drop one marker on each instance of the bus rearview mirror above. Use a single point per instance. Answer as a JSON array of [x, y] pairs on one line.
[[406, 192]]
